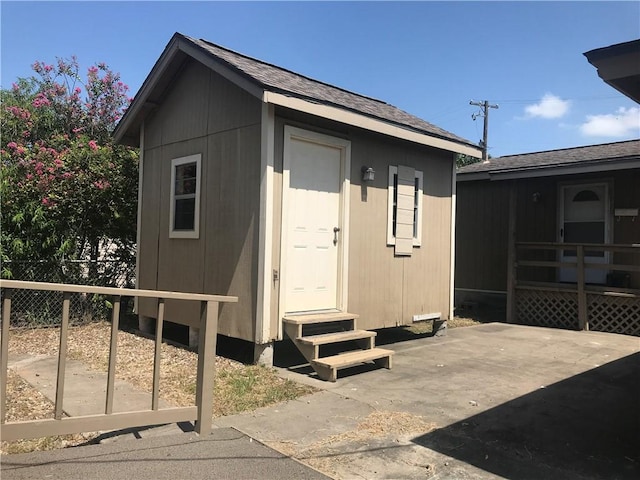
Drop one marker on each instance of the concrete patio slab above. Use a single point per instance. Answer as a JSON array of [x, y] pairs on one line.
[[484, 402]]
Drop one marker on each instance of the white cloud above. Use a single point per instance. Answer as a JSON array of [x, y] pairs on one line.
[[550, 106], [625, 122]]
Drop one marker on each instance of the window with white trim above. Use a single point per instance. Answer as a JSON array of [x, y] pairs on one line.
[[404, 215], [184, 221]]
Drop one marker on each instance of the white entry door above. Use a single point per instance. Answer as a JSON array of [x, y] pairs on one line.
[[584, 218], [313, 229]]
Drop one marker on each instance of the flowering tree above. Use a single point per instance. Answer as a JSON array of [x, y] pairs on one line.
[[66, 188]]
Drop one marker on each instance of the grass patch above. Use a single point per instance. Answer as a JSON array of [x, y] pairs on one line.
[[26, 403], [253, 387]]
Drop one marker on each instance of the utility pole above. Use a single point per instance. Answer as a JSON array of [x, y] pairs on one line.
[[485, 106]]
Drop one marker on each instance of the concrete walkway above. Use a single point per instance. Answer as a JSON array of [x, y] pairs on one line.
[[491, 401]]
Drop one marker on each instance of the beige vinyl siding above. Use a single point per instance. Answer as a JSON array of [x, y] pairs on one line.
[[205, 114], [233, 212], [384, 289]]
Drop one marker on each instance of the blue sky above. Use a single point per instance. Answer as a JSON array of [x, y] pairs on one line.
[[428, 58]]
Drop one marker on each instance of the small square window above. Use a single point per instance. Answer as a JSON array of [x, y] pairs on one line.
[[185, 197]]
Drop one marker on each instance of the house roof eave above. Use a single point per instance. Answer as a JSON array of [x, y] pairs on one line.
[[180, 48], [553, 170], [173, 56], [373, 124]]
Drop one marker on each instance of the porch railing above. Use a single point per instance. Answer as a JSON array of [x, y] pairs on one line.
[[201, 412], [613, 307]]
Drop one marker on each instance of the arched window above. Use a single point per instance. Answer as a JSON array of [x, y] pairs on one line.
[[586, 196]]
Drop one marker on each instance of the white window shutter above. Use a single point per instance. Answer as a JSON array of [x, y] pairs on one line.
[[405, 206]]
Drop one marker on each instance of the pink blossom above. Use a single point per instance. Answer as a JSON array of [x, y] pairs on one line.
[[58, 162], [77, 90], [93, 145], [101, 184], [45, 202], [13, 145], [29, 176], [41, 100], [67, 175]]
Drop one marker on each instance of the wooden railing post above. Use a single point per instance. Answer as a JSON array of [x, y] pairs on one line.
[[113, 355], [155, 392], [4, 350], [583, 321], [62, 355], [206, 365]]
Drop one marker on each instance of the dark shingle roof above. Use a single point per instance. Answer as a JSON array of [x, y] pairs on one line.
[[556, 158], [279, 80]]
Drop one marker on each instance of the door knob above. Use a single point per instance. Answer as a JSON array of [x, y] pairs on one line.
[[335, 235]]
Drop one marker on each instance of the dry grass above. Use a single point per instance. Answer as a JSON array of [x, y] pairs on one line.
[[328, 454], [26, 403], [238, 387]]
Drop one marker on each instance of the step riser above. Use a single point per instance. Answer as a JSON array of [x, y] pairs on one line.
[[324, 337]]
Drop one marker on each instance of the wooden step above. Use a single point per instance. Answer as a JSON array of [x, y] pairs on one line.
[[308, 319], [327, 338], [328, 367]]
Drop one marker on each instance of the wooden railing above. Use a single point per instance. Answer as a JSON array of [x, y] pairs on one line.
[[580, 287], [201, 413]]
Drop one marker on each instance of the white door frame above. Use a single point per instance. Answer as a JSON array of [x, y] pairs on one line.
[[294, 133], [606, 183]]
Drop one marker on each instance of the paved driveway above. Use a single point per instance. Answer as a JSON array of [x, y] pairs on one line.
[[488, 401], [484, 402]]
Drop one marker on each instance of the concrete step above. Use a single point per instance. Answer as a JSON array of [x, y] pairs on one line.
[[327, 367], [327, 338]]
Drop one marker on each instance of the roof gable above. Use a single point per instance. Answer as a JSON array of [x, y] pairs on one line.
[[260, 78], [608, 156]]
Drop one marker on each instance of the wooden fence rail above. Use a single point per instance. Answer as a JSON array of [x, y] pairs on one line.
[[201, 413], [577, 292]]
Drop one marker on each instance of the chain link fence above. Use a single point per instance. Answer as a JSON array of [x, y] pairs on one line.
[[32, 309]]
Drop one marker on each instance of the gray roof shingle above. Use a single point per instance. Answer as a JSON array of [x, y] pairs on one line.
[[557, 158], [279, 80]]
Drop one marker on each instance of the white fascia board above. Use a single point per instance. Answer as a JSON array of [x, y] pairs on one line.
[[367, 123], [145, 90], [265, 236], [452, 264]]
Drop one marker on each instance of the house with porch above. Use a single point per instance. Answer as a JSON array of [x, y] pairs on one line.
[[327, 213], [555, 236], [532, 228]]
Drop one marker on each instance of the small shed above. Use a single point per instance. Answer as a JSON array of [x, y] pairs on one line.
[[554, 236], [310, 203]]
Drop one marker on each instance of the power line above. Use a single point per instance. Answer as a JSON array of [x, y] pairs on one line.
[[484, 112], [585, 98]]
